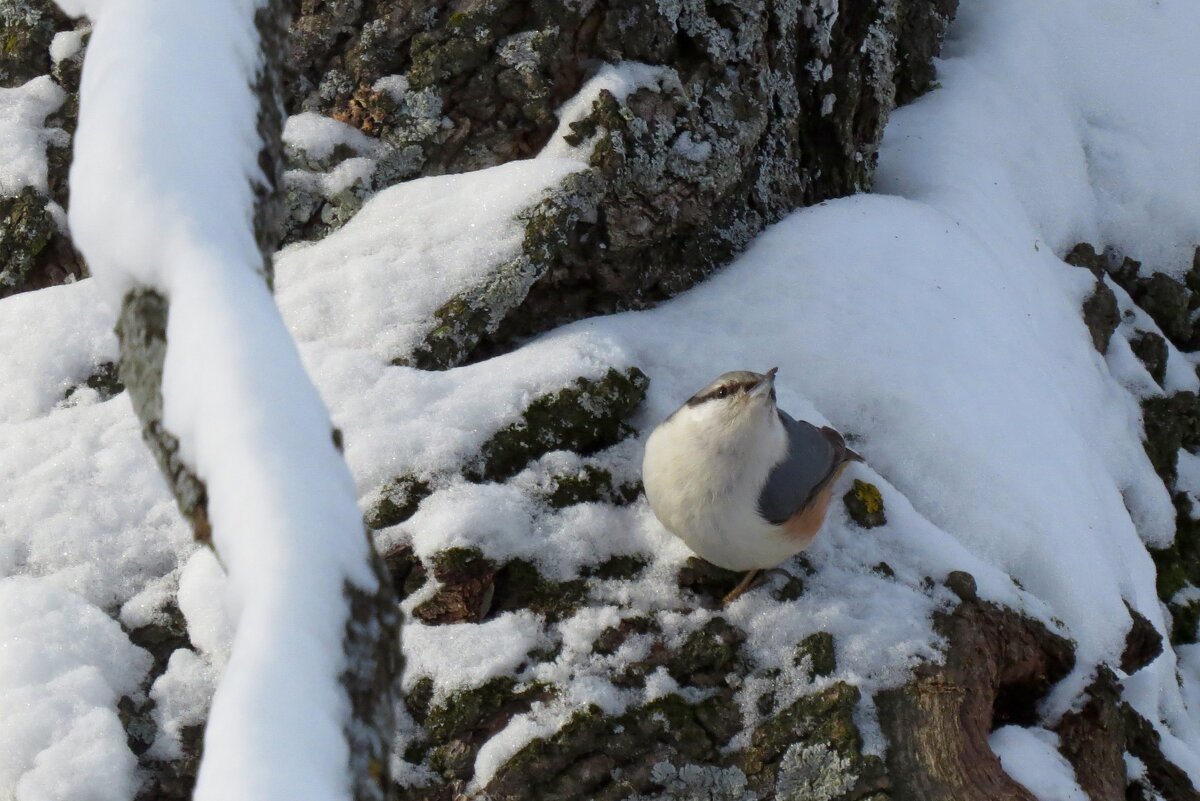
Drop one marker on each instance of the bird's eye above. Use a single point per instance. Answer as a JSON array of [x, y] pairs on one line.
[[723, 392]]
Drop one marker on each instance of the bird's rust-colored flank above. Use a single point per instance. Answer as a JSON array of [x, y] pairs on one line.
[[804, 525]]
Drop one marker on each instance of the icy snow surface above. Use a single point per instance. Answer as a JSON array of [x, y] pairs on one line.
[[933, 322]]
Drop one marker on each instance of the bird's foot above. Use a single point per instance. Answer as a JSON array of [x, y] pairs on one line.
[[742, 586]]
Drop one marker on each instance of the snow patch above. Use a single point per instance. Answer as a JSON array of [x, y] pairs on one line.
[[23, 137]]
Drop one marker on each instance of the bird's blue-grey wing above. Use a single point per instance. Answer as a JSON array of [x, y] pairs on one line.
[[812, 456]]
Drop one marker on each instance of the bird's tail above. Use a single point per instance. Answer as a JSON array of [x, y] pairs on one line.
[[839, 445]]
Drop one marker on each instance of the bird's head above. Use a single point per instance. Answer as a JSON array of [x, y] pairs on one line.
[[734, 400]]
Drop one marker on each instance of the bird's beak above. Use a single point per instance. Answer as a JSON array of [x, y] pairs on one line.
[[767, 384]]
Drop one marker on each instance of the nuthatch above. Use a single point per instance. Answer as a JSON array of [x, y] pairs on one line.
[[737, 479]]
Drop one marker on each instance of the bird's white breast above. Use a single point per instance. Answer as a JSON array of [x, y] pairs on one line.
[[703, 481]]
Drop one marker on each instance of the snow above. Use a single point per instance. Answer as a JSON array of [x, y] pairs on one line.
[[65, 45], [87, 510], [181, 698], [50, 341], [280, 498], [619, 80], [933, 321], [395, 86], [481, 652], [1031, 757], [23, 137], [63, 666], [203, 588], [452, 230], [319, 136]]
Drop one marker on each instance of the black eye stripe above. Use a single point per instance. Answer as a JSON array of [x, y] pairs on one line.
[[722, 392]]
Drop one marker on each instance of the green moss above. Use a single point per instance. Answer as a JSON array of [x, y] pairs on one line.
[[613, 637], [585, 417], [453, 760], [1171, 573], [418, 699], [864, 504], [1170, 423], [466, 711], [1185, 617], [818, 649], [590, 484], [519, 585], [631, 744], [618, 568], [708, 654], [398, 501]]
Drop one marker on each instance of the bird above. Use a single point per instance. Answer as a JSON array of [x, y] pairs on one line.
[[740, 481]]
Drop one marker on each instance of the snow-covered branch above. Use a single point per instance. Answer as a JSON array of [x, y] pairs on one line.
[[174, 206]]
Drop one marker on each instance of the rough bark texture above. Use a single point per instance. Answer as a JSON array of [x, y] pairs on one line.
[[998, 665], [769, 104]]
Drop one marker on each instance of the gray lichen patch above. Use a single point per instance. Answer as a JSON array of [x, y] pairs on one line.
[[142, 332], [772, 105], [813, 746], [614, 757], [26, 228], [26, 28]]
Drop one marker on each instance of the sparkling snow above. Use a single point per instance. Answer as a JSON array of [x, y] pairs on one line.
[[933, 322]]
